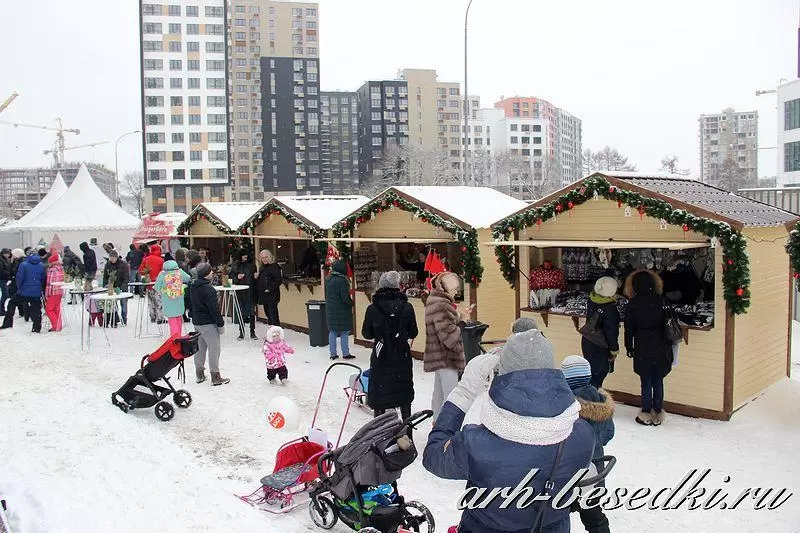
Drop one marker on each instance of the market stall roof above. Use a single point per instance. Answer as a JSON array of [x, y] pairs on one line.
[[611, 244], [82, 207], [695, 197], [232, 215], [321, 212], [56, 191], [476, 207]]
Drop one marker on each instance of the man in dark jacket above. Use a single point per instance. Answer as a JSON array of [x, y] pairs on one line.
[[134, 259], [72, 263], [603, 301], [390, 322], [31, 279], [529, 415], [14, 302], [121, 272], [5, 277], [339, 309], [208, 321], [243, 272], [89, 261], [646, 342], [268, 286]]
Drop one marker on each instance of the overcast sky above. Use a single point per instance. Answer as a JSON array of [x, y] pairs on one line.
[[637, 73]]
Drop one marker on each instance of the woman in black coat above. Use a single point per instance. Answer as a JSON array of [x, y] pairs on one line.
[[268, 286], [391, 322], [243, 272], [646, 342], [603, 299]]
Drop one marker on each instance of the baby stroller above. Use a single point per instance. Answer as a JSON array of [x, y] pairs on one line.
[[154, 367], [362, 490], [357, 388], [296, 462]]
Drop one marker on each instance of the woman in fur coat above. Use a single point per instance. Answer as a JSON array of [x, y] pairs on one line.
[[444, 350]]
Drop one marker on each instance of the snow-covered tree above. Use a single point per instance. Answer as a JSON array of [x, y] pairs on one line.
[[670, 164], [606, 159]]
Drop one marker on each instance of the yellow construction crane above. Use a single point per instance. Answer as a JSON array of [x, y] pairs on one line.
[[49, 152], [8, 101], [58, 152]]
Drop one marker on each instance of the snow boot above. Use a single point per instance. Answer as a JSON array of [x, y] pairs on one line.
[[201, 374], [348, 356], [273, 381], [284, 381], [253, 336], [658, 417], [644, 418], [240, 337], [217, 379], [334, 357]]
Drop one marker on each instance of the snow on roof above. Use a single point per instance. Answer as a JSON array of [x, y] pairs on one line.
[[622, 174], [323, 211], [480, 207], [233, 214], [82, 207], [56, 191]]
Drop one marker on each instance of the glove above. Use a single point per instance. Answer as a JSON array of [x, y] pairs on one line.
[[613, 356], [221, 330], [629, 354], [474, 381]]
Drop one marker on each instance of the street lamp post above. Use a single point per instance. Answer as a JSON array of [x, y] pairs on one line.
[[116, 161], [465, 173]]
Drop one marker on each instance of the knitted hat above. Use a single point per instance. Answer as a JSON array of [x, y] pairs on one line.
[[55, 258], [113, 253], [389, 280], [203, 270], [523, 324], [606, 287], [577, 371], [17, 253], [529, 350]]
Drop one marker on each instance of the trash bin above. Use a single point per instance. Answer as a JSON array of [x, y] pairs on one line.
[[317, 323], [471, 336]]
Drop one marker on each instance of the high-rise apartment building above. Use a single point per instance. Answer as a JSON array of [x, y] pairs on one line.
[[383, 123], [184, 103], [435, 112], [550, 137], [275, 100], [788, 134], [339, 142], [730, 137]]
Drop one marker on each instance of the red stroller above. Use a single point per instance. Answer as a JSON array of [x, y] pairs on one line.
[[155, 367], [296, 463]]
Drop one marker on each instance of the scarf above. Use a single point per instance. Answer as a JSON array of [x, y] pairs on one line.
[[531, 430], [600, 300]]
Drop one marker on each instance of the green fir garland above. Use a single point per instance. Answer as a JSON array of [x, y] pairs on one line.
[[735, 266], [793, 249], [201, 213], [467, 239], [277, 209]]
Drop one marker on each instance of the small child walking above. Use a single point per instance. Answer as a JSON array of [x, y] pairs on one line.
[[275, 350], [597, 408]]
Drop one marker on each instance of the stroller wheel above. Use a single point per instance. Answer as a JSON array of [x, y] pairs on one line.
[[164, 411], [182, 398], [322, 512], [418, 518]]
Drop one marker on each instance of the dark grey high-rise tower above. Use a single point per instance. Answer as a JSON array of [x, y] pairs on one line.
[[382, 123], [339, 140]]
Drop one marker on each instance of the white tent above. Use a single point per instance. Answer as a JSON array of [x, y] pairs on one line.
[[56, 191], [82, 213]]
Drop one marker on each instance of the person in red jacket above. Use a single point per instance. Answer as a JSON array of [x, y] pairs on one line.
[[152, 265]]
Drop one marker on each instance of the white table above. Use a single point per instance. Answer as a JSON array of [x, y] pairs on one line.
[[142, 324], [81, 307], [229, 302], [108, 313]]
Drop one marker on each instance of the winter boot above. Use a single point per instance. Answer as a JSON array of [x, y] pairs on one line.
[[201, 374], [334, 356], [240, 337], [273, 381], [644, 418], [217, 379], [284, 381], [658, 417]]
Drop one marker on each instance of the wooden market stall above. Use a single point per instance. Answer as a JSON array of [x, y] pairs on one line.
[[402, 224], [737, 322], [211, 225], [291, 227]]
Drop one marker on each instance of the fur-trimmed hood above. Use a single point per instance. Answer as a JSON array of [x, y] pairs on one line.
[[272, 330], [597, 411], [655, 283]]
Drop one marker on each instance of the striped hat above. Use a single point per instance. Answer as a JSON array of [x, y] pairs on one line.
[[577, 371]]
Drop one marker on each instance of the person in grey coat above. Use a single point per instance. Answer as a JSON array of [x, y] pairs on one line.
[[207, 321]]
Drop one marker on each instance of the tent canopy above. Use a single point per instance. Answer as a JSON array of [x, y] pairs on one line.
[[56, 191]]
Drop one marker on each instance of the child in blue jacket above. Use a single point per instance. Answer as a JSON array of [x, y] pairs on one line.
[[597, 408]]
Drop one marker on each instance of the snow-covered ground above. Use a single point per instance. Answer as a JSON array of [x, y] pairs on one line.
[[72, 462]]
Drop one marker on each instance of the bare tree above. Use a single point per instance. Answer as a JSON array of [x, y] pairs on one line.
[[729, 176], [606, 159], [550, 179], [133, 191], [670, 164], [482, 168]]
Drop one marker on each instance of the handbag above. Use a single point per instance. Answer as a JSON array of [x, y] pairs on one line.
[[593, 331], [672, 327], [549, 485]]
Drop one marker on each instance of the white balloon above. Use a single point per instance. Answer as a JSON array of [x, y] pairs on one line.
[[283, 414]]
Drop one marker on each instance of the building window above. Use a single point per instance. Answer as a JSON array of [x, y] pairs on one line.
[[216, 48], [453, 91], [194, 119], [311, 12], [154, 83], [154, 120], [514, 140], [152, 28], [193, 64], [537, 152], [179, 174], [176, 83], [217, 137], [177, 138], [156, 156], [537, 140], [215, 64], [215, 29], [514, 127], [175, 29], [537, 128], [216, 101], [151, 9], [213, 11], [155, 101], [156, 174], [155, 138], [174, 46], [217, 155], [195, 155], [215, 83], [791, 112], [152, 46], [175, 64], [192, 29], [176, 120], [178, 156], [791, 156], [195, 137], [193, 83], [526, 140], [196, 174]]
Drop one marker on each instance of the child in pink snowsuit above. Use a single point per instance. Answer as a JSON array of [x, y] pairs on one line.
[[275, 350]]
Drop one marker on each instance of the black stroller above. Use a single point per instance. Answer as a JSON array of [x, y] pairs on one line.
[[154, 367], [362, 490]]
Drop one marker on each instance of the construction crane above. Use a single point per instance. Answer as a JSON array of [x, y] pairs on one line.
[[58, 152], [8, 101]]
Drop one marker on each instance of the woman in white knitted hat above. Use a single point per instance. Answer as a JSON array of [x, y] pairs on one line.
[[603, 302]]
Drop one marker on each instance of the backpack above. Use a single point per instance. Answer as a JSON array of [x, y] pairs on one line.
[[593, 330], [393, 343], [173, 285], [672, 327]]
